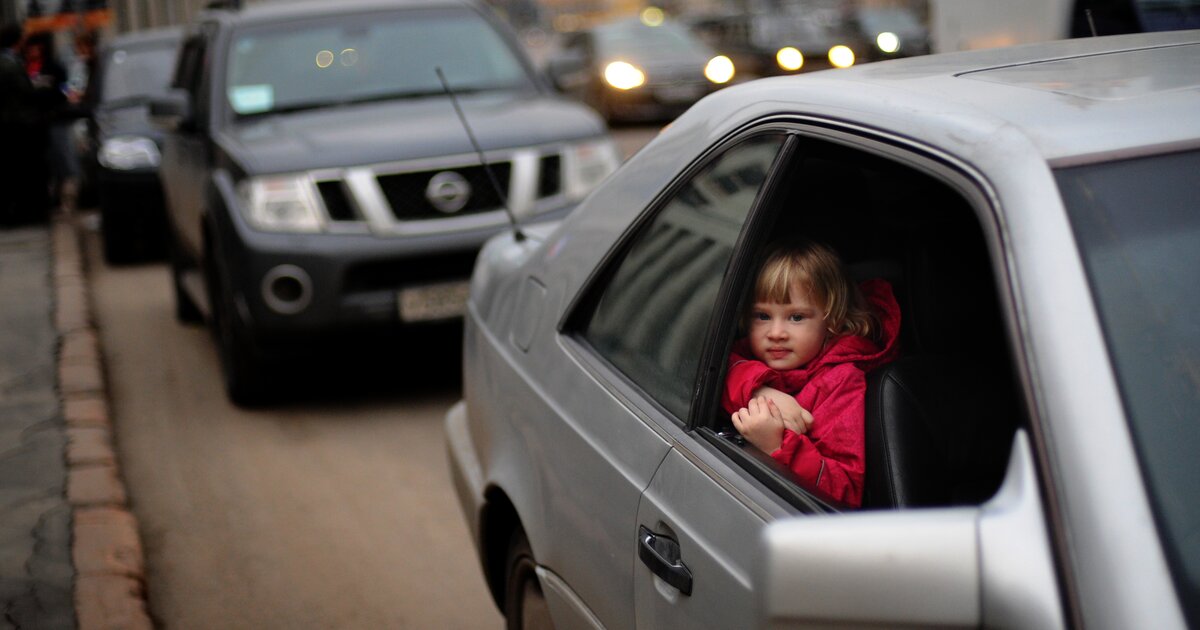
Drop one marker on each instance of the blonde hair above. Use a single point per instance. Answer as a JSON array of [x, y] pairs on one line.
[[818, 269]]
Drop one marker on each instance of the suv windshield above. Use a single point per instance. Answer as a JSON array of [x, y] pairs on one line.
[[362, 57], [1138, 228]]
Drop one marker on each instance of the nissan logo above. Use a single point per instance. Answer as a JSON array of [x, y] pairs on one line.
[[448, 192]]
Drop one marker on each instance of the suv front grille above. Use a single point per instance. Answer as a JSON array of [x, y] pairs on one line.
[[442, 194], [406, 192]]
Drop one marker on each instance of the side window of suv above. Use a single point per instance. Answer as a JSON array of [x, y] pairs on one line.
[[653, 310]]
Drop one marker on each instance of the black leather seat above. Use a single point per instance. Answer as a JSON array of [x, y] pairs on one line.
[[938, 433], [940, 420]]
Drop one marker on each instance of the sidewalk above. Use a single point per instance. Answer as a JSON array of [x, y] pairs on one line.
[[69, 549]]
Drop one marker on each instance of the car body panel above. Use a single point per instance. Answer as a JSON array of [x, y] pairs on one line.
[[991, 125]]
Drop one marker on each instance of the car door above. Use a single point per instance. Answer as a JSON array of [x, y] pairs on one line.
[[640, 324], [697, 535], [650, 312], [186, 150]]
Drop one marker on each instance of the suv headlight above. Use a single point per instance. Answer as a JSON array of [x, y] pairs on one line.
[[125, 153], [281, 203], [587, 164]]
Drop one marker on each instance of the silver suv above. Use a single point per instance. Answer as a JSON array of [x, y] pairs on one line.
[[319, 181]]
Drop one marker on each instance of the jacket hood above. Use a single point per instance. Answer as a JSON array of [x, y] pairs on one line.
[[399, 130]]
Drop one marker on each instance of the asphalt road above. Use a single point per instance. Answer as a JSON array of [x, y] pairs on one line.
[[334, 510]]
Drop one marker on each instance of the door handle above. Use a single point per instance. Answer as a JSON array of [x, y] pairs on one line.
[[661, 554]]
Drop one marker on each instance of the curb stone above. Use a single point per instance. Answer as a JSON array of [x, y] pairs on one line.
[[105, 545]]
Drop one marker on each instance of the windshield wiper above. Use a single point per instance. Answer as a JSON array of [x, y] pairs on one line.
[[370, 98]]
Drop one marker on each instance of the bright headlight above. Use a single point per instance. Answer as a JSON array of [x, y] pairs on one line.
[[623, 75], [587, 164], [719, 69], [887, 42], [841, 56], [124, 153], [789, 59], [280, 203]]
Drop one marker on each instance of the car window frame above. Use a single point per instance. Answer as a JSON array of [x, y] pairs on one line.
[[957, 176]]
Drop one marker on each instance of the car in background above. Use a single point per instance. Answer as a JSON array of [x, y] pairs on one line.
[[324, 184], [893, 30], [1030, 456], [121, 154], [647, 68], [786, 38]]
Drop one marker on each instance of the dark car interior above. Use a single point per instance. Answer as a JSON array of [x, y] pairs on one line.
[[941, 418]]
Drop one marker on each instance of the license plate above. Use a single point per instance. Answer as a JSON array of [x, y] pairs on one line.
[[444, 300]]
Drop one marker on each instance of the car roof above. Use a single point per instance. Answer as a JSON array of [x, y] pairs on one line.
[[1076, 100], [275, 10]]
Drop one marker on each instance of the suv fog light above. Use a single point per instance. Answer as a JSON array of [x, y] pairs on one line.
[[287, 289]]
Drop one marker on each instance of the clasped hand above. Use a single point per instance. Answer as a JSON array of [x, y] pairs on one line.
[[763, 420]]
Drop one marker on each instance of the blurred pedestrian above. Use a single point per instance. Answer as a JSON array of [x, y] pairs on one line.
[[24, 191], [82, 77], [48, 73]]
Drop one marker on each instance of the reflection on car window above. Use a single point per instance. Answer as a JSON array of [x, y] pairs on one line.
[[652, 317], [364, 57]]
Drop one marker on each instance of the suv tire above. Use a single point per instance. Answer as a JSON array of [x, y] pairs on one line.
[[242, 368]]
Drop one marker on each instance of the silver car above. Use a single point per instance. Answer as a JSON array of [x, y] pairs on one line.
[[1031, 458]]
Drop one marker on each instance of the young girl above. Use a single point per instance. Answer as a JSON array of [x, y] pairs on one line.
[[796, 383]]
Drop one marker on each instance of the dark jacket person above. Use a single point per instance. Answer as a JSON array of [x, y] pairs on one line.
[[23, 167]]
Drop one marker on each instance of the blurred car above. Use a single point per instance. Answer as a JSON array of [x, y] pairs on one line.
[[1030, 456], [638, 69], [321, 185], [790, 38], [892, 30], [122, 149]]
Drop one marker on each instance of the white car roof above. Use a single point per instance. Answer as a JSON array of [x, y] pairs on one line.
[[1076, 101]]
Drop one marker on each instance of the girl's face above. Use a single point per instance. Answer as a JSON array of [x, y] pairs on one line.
[[787, 336]]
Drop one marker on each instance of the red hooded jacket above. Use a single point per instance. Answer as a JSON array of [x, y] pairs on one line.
[[833, 386]]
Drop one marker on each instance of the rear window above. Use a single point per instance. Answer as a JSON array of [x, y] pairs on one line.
[[135, 74], [361, 57], [1137, 223]]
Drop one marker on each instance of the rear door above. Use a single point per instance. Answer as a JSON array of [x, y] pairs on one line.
[[645, 322]]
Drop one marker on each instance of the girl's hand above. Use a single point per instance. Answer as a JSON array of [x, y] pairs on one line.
[[795, 417], [761, 423]]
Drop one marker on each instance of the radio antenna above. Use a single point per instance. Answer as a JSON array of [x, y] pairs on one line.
[[1091, 22], [518, 235]]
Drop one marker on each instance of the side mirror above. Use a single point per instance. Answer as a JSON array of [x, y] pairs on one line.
[[172, 111], [988, 566]]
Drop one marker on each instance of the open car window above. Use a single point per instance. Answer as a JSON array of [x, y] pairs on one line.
[[939, 420]]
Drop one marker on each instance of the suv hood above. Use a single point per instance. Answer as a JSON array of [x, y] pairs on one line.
[[388, 131]]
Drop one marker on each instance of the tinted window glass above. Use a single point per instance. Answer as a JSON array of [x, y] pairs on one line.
[[653, 315], [1139, 231], [348, 58]]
